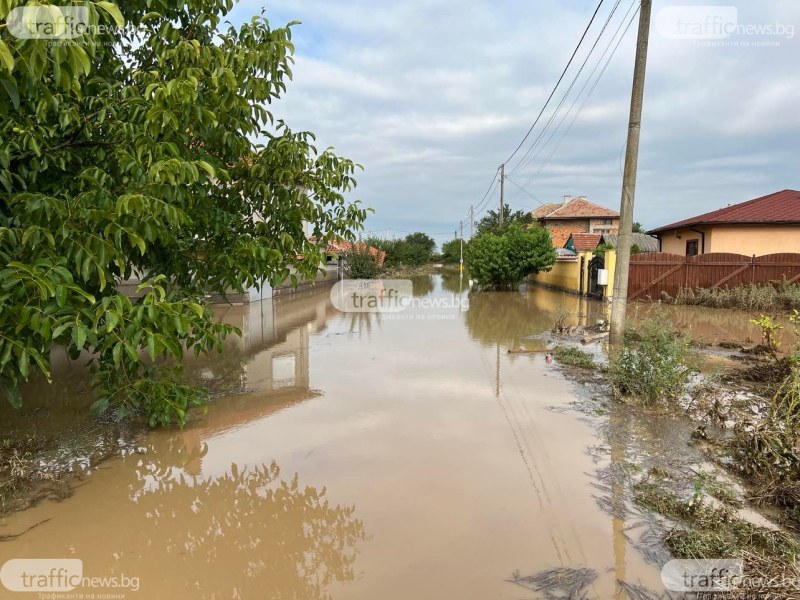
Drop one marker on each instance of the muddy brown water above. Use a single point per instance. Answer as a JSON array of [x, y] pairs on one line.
[[354, 457]]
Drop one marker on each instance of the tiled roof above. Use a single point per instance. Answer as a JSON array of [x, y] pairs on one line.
[[646, 243], [578, 208], [780, 207], [544, 210], [584, 242]]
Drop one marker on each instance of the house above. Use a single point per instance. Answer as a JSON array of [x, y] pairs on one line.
[[766, 225], [575, 215]]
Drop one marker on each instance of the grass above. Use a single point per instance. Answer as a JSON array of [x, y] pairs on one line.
[[750, 297], [574, 357]]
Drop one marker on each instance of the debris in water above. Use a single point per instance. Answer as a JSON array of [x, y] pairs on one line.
[[558, 584]]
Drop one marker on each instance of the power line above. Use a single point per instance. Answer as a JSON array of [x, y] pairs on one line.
[[586, 99], [564, 72], [521, 161]]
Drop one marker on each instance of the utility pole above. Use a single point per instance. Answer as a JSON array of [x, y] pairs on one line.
[[502, 190], [461, 247], [620, 298], [471, 221]]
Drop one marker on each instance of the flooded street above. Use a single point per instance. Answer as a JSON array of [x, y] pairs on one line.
[[360, 456]]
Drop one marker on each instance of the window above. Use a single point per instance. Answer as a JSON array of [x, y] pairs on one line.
[[691, 247]]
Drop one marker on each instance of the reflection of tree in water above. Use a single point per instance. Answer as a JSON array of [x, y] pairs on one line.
[[361, 322], [422, 285], [451, 282], [260, 536], [503, 317]]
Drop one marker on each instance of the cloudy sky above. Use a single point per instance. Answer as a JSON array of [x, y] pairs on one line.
[[430, 96]]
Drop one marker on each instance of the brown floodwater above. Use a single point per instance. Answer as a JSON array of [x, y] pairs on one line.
[[356, 456]]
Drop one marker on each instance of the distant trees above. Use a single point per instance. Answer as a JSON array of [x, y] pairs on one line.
[[503, 257], [414, 250]]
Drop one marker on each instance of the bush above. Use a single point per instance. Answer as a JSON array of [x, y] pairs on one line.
[[655, 362], [361, 264], [504, 260]]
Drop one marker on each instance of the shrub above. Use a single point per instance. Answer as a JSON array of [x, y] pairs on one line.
[[504, 260], [655, 362], [361, 264]]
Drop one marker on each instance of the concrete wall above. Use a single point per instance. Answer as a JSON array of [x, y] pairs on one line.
[[566, 274], [739, 239]]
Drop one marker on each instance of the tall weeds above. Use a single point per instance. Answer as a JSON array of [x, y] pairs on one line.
[[752, 297]]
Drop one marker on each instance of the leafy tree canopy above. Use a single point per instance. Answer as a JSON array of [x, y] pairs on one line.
[[414, 250], [130, 152], [504, 260], [491, 221]]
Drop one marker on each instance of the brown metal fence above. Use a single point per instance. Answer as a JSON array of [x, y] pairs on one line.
[[652, 273]]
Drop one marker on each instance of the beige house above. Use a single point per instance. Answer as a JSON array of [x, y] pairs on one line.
[[766, 225], [575, 215]]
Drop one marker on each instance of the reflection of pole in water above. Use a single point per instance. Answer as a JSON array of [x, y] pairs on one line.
[[497, 374], [617, 444]]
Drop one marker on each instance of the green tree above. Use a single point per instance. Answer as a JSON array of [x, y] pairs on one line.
[[361, 263], [414, 250], [491, 221], [504, 260], [130, 153], [451, 251], [637, 227]]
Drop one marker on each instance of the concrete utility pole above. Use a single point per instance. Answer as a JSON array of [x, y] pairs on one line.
[[461, 248], [620, 298], [502, 190], [471, 221]]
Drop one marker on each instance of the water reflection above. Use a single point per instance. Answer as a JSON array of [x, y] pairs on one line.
[[255, 534]]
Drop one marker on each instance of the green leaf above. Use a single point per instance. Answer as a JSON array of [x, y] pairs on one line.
[[12, 394], [113, 10], [6, 57]]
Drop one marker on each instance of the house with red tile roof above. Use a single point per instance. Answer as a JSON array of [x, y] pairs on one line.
[[766, 225], [576, 215]]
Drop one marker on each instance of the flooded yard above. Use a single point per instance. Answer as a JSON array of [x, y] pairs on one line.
[[363, 456]]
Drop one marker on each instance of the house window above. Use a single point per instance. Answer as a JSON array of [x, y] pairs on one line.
[[691, 247]]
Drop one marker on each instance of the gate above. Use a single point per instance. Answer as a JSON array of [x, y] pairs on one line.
[[595, 290]]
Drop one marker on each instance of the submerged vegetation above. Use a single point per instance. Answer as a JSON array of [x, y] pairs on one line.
[[574, 357], [754, 296]]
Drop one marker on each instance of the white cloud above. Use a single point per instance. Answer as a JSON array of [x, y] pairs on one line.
[[431, 95]]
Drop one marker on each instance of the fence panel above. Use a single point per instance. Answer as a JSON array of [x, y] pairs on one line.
[[652, 273]]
